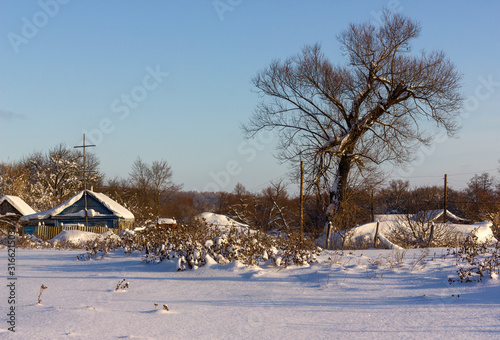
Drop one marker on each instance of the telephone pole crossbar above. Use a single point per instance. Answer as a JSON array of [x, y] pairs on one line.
[[85, 171]]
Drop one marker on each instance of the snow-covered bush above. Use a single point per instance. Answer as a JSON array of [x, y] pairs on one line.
[[27, 242], [196, 243], [97, 244], [415, 231], [475, 259]]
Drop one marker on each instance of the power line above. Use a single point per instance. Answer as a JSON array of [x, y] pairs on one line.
[[472, 202], [270, 181], [472, 173], [412, 177], [457, 174]]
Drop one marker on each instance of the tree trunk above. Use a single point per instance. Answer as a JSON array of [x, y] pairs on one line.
[[337, 195], [338, 190]]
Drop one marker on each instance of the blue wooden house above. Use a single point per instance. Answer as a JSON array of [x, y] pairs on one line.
[[87, 211]]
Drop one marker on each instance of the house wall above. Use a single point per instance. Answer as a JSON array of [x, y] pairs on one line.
[[125, 224], [6, 207], [51, 227], [111, 223]]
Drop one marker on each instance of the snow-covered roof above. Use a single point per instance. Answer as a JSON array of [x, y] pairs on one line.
[[118, 209], [221, 221], [115, 207], [166, 221], [427, 216], [18, 204], [433, 215]]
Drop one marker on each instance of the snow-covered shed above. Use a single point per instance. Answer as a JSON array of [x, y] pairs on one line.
[[13, 207], [98, 211], [166, 222], [437, 216], [422, 216]]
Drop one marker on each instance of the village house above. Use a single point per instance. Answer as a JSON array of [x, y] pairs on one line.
[[87, 210]]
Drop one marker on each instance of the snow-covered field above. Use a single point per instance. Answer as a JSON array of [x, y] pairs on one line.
[[363, 294]]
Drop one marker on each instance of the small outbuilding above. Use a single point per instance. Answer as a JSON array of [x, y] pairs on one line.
[[166, 223], [437, 215], [13, 207], [87, 210], [427, 216]]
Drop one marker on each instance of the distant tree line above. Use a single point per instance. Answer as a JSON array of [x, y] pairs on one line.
[[45, 180]]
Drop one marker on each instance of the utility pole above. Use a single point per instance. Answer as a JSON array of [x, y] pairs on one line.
[[302, 200], [445, 197], [372, 207], [376, 235], [85, 146]]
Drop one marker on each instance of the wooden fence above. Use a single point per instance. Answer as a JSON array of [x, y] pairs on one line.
[[47, 232]]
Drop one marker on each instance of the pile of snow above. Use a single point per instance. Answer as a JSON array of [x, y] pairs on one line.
[[363, 235], [221, 222], [480, 230], [366, 232], [128, 232], [77, 237]]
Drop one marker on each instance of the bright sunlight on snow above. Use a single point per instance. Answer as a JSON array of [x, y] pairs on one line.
[[373, 294]]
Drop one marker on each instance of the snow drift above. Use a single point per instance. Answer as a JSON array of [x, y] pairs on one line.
[[221, 222], [77, 237]]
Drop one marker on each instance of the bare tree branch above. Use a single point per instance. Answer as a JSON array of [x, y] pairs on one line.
[[389, 93]]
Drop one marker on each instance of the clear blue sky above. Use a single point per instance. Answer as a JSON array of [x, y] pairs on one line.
[[172, 80]]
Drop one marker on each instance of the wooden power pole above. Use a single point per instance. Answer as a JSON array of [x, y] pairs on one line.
[[372, 206], [302, 200], [84, 171], [445, 205]]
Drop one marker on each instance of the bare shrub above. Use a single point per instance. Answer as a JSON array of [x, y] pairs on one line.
[[27, 241], [42, 288], [396, 258], [420, 225], [122, 285], [420, 261], [194, 243], [415, 232], [474, 260], [101, 246]]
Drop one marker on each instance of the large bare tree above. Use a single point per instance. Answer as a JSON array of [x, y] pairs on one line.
[[379, 106]]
